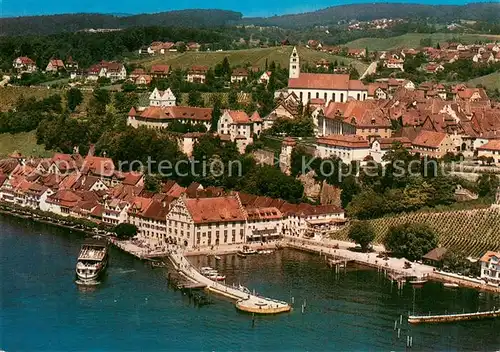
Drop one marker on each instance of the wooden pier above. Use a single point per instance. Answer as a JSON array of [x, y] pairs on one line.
[[245, 301], [449, 318]]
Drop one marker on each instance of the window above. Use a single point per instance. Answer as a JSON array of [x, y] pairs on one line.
[[341, 97], [301, 95], [309, 96], [333, 96], [317, 95], [325, 97], [358, 96]]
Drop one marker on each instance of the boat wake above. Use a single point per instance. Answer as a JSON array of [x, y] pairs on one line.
[[87, 283], [123, 271]]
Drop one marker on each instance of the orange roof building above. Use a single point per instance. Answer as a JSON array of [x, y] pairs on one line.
[[329, 87]]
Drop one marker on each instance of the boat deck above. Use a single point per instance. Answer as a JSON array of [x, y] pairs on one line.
[[92, 253]]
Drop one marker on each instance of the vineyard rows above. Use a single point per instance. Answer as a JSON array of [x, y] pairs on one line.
[[472, 231]]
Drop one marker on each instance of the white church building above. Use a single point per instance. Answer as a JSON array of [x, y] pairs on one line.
[[329, 87], [162, 98]]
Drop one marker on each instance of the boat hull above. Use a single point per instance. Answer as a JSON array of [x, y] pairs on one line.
[[89, 276]]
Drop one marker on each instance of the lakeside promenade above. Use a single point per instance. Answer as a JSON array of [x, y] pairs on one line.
[[323, 246]]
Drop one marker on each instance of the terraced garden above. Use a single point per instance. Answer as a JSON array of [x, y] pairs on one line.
[[472, 231]]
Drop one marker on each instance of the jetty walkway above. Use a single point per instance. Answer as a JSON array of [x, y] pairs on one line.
[[395, 267], [245, 301], [448, 318]]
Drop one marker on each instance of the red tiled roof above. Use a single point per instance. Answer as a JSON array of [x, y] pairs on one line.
[[320, 81], [239, 116], [263, 213], [386, 143], [220, 209], [25, 60], [488, 255], [175, 112], [494, 144], [64, 198], [98, 166], [255, 117], [429, 139], [362, 114], [347, 141], [355, 84], [57, 62], [240, 72], [198, 69], [163, 69]]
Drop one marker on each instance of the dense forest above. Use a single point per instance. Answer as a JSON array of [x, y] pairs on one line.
[[42, 25], [88, 48], [36, 25]]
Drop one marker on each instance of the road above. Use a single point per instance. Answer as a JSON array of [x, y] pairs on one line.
[[370, 70]]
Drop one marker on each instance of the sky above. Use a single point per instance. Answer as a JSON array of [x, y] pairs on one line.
[[12, 8]]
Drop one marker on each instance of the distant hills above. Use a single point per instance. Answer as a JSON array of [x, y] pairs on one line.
[[489, 12], [216, 18]]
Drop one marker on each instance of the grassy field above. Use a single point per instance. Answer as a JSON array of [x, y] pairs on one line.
[[473, 231], [255, 57], [9, 96], [491, 81], [24, 143], [413, 40]]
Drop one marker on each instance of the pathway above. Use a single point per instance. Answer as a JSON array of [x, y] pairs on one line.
[[326, 246], [245, 301], [370, 70]]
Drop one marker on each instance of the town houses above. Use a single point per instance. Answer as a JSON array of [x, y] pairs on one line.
[[193, 217], [114, 71], [24, 64]]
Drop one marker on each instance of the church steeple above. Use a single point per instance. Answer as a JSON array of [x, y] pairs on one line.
[[294, 64]]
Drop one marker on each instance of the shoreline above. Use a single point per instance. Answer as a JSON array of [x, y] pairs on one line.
[[325, 248]]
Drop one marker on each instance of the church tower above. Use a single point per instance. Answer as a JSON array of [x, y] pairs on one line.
[[294, 64]]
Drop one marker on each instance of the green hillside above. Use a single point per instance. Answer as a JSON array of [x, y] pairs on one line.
[[412, 40], [255, 57], [473, 231], [9, 96], [24, 143], [491, 81]]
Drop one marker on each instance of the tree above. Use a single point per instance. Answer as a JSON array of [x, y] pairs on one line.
[[151, 184], [226, 67], [216, 112], [362, 233], [195, 98], [487, 184], [74, 98], [125, 230], [411, 241], [232, 100]]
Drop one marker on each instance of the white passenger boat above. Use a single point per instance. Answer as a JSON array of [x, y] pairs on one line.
[[92, 261]]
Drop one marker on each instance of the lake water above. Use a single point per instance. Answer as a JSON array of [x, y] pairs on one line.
[[133, 308]]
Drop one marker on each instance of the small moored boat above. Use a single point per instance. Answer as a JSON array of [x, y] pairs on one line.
[[450, 285], [247, 251]]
